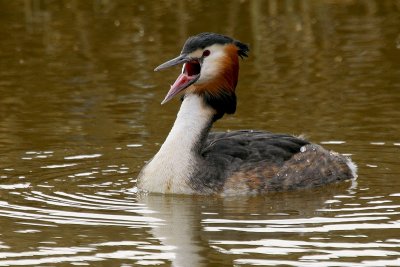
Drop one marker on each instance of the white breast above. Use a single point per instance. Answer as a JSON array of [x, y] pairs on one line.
[[171, 168]]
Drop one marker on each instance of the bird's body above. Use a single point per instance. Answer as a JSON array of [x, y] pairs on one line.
[[194, 160]]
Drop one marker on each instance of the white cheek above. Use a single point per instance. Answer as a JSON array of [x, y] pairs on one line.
[[210, 67]]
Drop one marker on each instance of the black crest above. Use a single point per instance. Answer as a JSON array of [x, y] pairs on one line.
[[205, 39]]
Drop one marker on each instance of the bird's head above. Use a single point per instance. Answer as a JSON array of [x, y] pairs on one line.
[[210, 69]]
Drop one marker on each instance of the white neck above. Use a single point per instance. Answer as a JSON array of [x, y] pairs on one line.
[[170, 169]]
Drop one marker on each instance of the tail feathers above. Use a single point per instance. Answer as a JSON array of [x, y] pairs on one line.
[[313, 166]]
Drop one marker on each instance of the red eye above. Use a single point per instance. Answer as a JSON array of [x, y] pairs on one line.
[[206, 53]]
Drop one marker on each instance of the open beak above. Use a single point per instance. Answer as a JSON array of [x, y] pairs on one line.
[[190, 74]]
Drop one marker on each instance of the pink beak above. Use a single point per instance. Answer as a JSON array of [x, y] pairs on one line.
[[184, 80]]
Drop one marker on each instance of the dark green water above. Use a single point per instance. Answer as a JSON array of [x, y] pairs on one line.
[[80, 114]]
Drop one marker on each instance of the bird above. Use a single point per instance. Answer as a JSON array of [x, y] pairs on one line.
[[193, 160]]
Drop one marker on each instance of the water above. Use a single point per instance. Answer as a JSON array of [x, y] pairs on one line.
[[80, 114]]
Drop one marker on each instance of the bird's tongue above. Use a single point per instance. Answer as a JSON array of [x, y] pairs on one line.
[[181, 83]]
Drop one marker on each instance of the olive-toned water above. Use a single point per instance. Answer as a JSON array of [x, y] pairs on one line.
[[80, 114]]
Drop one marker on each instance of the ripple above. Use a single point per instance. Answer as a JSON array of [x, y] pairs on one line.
[[90, 253], [333, 142], [57, 166], [372, 217], [258, 262], [120, 254], [320, 229], [14, 186], [91, 156], [86, 206]]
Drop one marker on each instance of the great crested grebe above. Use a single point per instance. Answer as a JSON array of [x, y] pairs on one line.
[[193, 160]]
